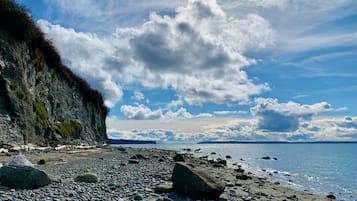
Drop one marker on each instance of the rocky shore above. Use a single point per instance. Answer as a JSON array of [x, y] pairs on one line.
[[136, 174]]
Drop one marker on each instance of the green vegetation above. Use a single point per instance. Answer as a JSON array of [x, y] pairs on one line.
[[18, 91], [41, 114], [15, 21], [68, 129]]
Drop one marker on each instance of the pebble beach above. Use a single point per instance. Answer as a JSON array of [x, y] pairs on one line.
[[136, 174]]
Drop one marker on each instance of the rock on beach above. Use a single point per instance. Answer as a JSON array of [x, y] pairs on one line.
[[195, 181], [19, 173]]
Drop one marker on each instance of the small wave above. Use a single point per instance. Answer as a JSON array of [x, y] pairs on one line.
[[309, 177]]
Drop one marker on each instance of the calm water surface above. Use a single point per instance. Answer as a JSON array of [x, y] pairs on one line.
[[318, 168]]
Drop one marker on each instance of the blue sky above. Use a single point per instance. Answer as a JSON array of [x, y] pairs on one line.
[[213, 70]]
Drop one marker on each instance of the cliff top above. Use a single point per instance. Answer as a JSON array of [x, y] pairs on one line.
[[16, 25]]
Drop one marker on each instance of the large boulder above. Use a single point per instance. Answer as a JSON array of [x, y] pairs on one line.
[[22, 177], [19, 173], [179, 158], [195, 181]]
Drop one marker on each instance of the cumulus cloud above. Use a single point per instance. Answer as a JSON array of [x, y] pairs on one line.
[[85, 53], [140, 112], [174, 104], [198, 52], [284, 117], [179, 114]]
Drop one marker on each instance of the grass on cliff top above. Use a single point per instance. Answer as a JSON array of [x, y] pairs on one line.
[[15, 21]]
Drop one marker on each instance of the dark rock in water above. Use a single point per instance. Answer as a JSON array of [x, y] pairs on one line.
[[179, 158], [122, 149], [331, 196], [186, 149], [164, 188], [41, 162], [23, 177], [195, 182], [133, 161], [134, 157], [243, 177], [217, 165], [239, 170], [140, 156], [87, 178], [221, 161]]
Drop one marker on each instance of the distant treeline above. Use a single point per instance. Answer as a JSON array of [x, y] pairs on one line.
[[17, 25], [122, 141]]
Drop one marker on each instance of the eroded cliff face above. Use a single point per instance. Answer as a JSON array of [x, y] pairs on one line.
[[38, 105], [41, 101]]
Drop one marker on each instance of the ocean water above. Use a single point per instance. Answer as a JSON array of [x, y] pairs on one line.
[[316, 168]]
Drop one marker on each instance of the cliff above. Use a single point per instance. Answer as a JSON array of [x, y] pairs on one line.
[[41, 100]]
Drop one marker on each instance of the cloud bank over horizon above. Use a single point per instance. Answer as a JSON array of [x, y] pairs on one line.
[[270, 120]]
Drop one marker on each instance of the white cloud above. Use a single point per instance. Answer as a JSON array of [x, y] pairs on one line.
[[198, 52], [284, 117], [138, 96], [174, 104], [179, 114], [140, 112], [300, 96], [214, 128], [106, 15], [341, 109], [228, 112], [85, 54], [306, 24]]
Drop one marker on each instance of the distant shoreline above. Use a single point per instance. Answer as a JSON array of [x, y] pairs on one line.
[[124, 141], [277, 142]]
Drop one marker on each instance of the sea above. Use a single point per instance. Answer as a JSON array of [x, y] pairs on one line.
[[319, 168]]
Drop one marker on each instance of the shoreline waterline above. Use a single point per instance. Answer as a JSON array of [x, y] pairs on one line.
[[119, 179], [318, 168]]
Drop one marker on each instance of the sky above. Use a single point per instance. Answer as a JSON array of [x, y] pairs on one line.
[[189, 71]]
